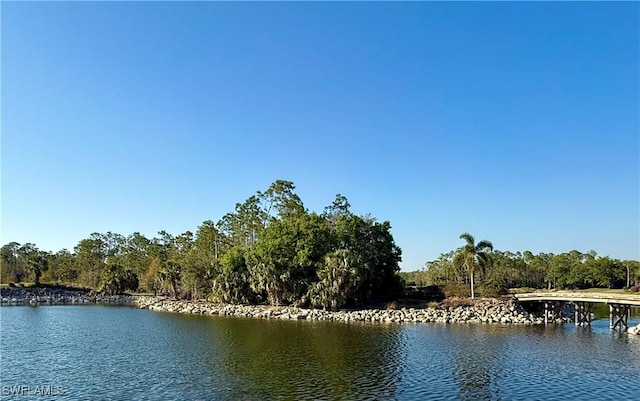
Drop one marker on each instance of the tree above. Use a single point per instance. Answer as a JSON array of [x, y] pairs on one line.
[[116, 279], [34, 261], [383, 259], [372, 245], [269, 248], [242, 227], [339, 207], [11, 269], [632, 271], [282, 262], [114, 245], [136, 253], [201, 261], [152, 280], [207, 241], [473, 256], [280, 202], [62, 267], [232, 282], [338, 280], [180, 253], [608, 272], [539, 267], [170, 276], [90, 261]]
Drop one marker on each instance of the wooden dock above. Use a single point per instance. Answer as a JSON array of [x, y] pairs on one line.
[[554, 302]]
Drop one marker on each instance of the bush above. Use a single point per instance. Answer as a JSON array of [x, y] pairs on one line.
[[456, 290], [116, 280], [491, 291], [456, 302], [392, 306], [520, 290], [427, 293]]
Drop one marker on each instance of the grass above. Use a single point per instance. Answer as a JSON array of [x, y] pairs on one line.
[[610, 291], [48, 285], [520, 290], [590, 290]]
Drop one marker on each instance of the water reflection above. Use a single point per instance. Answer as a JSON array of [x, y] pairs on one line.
[[478, 353], [122, 353], [320, 360]]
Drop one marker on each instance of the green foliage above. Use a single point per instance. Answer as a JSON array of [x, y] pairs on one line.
[[570, 270], [90, 260], [268, 249], [23, 262], [632, 269], [116, 280], [338, 280], [152, 280], [135, 253], [170, 277], [491, 291], [62, 267], [283, 261], [452, 290], [12, 269], [473, 257], [231, 284]]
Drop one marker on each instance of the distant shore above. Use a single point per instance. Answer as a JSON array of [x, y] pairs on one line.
[[35, 296], [482, 311], [454, 311]]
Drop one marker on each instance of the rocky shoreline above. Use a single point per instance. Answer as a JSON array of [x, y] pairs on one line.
[[34, 296], [478, 311], [483, 311]]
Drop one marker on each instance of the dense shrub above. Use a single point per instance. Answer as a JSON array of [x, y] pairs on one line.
[[116, 280], [456, 290], [427, 293], [491, 291], [456, 302]]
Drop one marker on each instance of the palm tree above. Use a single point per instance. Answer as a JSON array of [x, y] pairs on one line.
[[339, 280], [473, 256]]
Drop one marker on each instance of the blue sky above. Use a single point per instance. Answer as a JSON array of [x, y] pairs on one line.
[[517, 122]]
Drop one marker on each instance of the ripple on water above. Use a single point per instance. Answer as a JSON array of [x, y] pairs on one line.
[[98, 352]]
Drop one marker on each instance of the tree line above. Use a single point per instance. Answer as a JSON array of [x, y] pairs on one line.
[[498, 270], [270, 249]]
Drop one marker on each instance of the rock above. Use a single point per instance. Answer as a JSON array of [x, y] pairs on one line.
[[55, 296], [484, 311]]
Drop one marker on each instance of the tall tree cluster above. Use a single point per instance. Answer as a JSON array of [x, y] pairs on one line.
[[499, 270], [22, 261], [270, 249]]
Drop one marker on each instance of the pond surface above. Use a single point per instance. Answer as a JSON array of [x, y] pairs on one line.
[[122, 353]]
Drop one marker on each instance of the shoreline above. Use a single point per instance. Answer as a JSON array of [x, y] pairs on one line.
[[36, 296], [481, 311]]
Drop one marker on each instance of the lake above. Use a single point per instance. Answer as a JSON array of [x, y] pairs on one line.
[[123, 353]]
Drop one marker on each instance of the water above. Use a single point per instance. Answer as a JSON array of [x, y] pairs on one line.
[[122, 353]]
